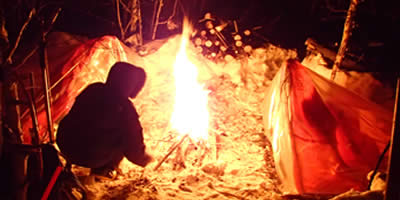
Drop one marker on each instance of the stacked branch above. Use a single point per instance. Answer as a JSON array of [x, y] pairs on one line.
[[222, 40], [190, 151]]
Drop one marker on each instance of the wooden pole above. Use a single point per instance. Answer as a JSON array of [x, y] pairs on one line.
[[45, 73], [347, 30], [13, 114], [46, 81], [35, 122], [393, 178]]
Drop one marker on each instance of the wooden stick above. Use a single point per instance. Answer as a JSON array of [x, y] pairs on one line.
[[156, 23], [153, 18], [140, 23], [313, 45], [170, 151], [236, 26], [348, 27], [172, 15], [393, 181], [119, 21], [44, 65]]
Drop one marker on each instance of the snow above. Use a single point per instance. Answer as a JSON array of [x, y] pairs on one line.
[[235, 163]]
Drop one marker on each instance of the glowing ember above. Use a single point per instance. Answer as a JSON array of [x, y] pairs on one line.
[[190, 115]]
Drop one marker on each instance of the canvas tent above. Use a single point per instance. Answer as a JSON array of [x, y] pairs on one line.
[[325, 138]]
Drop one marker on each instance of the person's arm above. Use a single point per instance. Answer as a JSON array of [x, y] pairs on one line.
[[134, 147]]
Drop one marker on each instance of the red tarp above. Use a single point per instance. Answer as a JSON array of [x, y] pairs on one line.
[[86, 62], [325, 138]]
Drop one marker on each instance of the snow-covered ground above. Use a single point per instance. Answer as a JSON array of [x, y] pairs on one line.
[[234, 163]]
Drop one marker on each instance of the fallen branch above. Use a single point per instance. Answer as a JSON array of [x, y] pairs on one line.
[[329, 54]]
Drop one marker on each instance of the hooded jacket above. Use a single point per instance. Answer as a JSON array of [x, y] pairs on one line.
[[103, 123]]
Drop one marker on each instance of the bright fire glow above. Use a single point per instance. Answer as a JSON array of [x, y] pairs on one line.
[[190, 115]]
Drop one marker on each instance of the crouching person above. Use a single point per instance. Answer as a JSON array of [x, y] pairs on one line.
[[103, 126]]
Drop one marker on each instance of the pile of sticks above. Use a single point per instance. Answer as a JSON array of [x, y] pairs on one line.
[[218, 40], [187, 147]]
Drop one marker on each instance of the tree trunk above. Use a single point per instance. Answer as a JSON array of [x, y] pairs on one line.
[[347, 31]]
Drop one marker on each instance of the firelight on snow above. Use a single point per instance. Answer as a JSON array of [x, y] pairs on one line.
[[190, 115]]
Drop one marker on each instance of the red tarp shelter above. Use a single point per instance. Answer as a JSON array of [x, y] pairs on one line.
[[73, 64], [325, 138]]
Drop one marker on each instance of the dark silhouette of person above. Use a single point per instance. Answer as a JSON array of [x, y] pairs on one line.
[[103, 126]]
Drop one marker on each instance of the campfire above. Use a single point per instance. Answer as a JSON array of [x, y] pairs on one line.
[[221, 105], [203, 125], [190, 114]]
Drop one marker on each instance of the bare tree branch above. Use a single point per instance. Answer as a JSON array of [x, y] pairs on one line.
[[134, 17], [125, 7], [33, 51], [140, 22], [9, 57], [172, 15], [153, 18], [119, 21], [160, 5]]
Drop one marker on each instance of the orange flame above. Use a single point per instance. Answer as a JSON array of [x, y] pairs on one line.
[[190, 115]]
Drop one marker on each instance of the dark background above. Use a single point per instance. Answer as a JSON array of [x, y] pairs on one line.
[[286, 23]]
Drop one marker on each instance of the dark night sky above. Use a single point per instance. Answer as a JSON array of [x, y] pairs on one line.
[[287, 23]]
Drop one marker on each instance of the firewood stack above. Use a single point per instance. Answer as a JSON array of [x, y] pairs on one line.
[[220, 40]]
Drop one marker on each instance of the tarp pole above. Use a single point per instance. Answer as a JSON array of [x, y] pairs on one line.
[[47, 95], [393, 178], [45, 72]]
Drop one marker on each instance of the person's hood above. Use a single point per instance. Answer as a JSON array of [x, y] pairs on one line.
[[125, 80]]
